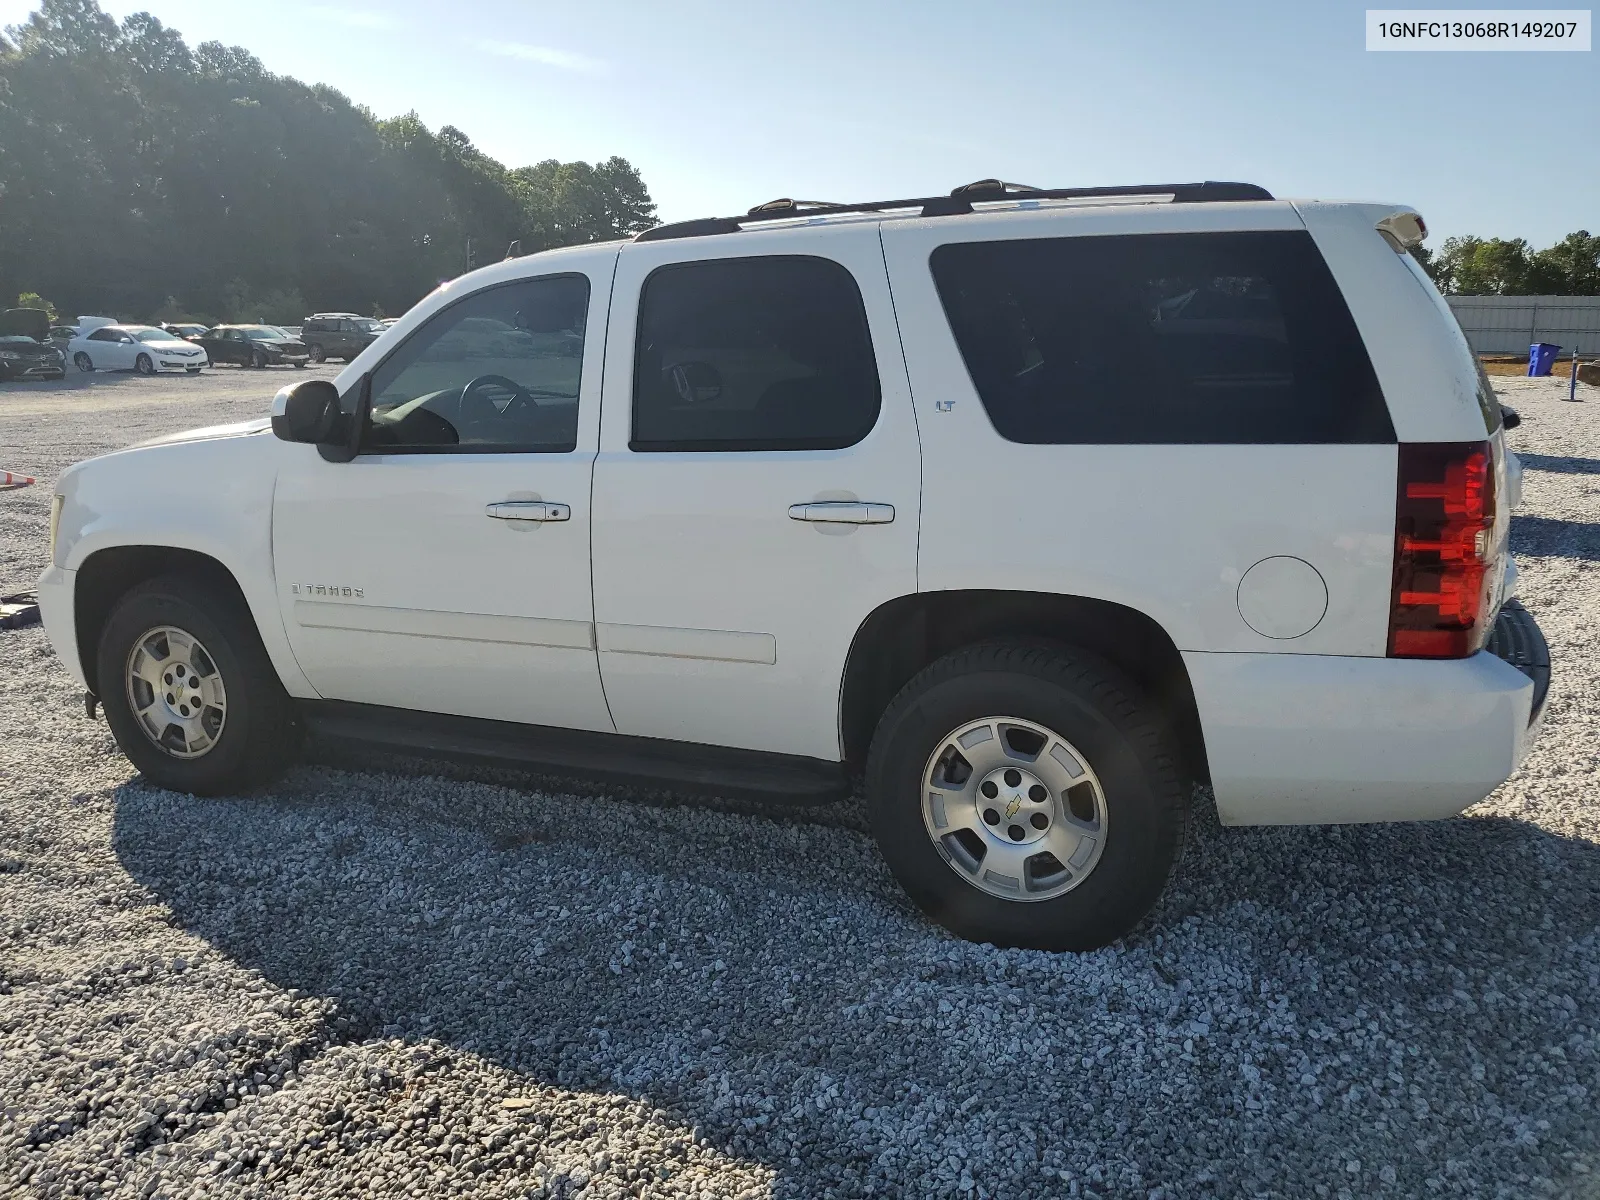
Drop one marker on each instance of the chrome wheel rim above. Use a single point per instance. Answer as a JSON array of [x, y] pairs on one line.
[[82, 362], [1014, 808], [145, 365], [176, 692]]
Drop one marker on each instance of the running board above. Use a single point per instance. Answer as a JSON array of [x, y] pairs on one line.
[[604, 757]]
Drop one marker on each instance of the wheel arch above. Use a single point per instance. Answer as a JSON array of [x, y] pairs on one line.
[[905, 634], [109, 574]]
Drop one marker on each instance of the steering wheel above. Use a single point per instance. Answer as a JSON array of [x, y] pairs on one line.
[[476, 406]]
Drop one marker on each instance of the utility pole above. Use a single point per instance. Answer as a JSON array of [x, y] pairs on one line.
[[469, 252]]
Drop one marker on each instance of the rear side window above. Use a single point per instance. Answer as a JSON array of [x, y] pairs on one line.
[[1161, 338], [767, 353]]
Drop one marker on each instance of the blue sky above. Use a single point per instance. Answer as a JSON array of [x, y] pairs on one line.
[[725, 105]]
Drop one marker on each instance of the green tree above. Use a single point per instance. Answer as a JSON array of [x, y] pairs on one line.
[[1474, 266], [34, 300], [119, 144], [1569, 268]]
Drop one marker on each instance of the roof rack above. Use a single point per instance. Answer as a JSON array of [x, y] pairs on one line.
[[960, 200]]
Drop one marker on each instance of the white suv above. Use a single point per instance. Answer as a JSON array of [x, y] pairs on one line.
[[1032, 507]]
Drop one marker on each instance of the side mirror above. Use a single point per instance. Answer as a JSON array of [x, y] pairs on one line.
[[308, 411], [1510, 417]]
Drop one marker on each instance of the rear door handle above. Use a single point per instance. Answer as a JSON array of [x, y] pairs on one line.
[[842, 512], [528, 510]]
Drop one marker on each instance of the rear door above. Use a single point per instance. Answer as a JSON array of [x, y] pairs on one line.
[[1168, 407], [757, 488]]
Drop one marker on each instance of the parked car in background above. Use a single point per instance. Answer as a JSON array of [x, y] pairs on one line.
[[186, 331], [60, 335], [25, 349], [141, 348], [338, 335], [252, 346]]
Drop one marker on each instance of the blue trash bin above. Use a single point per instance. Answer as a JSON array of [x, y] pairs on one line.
[[1541, 357]]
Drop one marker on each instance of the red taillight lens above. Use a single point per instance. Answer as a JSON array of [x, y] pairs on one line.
[[1443, 547]]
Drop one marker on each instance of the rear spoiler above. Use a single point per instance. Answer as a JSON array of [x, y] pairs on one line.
[[1404, 230]]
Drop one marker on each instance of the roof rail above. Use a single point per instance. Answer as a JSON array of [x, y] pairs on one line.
[[960, 200]]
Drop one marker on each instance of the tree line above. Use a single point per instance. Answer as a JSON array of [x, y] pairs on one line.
[[1474, 266], [143, 179]]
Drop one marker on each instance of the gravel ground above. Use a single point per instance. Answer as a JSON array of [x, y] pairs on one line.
[[428, 983]]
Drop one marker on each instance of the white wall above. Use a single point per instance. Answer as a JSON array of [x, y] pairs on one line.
[[1508, 324]]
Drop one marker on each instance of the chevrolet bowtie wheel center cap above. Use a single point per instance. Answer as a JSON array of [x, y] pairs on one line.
[[1015, 806]]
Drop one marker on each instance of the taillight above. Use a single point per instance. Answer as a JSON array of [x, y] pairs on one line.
[[1443, 547]]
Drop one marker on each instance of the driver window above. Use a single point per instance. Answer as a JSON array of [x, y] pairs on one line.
[[495, 372]]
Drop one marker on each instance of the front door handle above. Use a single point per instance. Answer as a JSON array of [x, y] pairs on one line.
[[842, 512], [528, 510]]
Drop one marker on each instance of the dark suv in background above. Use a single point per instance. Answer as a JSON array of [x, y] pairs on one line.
[[338, 335], [25, 349]]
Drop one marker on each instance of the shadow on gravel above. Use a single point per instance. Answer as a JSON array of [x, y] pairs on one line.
[[1560, 464], [1398, 1008], [1547, 537]]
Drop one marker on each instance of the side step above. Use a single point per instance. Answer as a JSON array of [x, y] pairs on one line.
[[604, 757]]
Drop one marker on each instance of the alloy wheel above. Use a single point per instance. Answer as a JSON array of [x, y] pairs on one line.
[[176, 692], [1014, 808]]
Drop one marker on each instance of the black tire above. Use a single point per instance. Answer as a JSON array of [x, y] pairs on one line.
[[317, 353], [260, 733], [258, 359], [1092, 705], [144, 365], [83, 362]]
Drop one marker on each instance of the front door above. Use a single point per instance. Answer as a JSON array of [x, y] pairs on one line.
[[756, 494], [446, 568]]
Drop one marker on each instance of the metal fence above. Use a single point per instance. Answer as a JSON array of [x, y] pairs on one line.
[[1510, 324]]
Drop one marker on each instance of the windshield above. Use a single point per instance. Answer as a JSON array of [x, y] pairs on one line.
[[153, 335], [368, 325], [260, 331]]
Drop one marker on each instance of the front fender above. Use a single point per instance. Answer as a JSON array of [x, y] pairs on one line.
[[210, 496]]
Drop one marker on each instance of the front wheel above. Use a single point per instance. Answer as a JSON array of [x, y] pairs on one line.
[[258, 359], [1027, 795], [143, 365], [189, 691], [83, 362]]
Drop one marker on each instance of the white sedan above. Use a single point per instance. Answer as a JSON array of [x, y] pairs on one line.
[[141, 348]]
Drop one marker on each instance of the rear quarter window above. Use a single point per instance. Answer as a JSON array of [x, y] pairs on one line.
[[1161, 338]]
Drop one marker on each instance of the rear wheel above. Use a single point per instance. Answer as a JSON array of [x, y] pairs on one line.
[[1027, 796], [188, 690], [317, 353], [82, 362]]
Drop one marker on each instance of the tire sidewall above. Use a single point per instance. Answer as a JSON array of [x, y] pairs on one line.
[[1140, 844], [83, 362], [145, 609], [144, 364]]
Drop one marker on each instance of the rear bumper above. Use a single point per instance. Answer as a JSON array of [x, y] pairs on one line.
[[55, 589], [1301, 739]]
